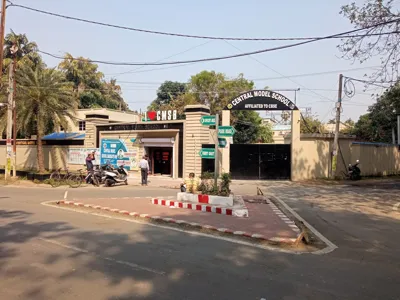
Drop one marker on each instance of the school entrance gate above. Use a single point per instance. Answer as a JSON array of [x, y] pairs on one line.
[[260, 162]]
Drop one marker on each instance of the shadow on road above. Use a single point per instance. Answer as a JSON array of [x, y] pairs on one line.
[[110, 259]]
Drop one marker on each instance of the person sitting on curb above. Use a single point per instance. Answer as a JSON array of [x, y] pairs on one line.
[[190, 184]]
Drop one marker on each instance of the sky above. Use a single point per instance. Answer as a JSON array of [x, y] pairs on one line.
[[251, 18]]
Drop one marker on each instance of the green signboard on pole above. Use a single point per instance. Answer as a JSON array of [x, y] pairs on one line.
[[222, 142], [207, 120], [226, 131], [207, 153]]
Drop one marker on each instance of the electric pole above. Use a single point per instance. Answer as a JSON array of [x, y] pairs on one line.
[[336, 139], [2, 26], [14, 110], [7, 172]]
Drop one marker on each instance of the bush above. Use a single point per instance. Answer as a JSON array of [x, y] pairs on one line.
[[208, 186]]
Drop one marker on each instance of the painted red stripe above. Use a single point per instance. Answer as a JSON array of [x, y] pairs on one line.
[[203, 199], [171, 203], [218, 210], [162, 202], [229, 212], [208, 208], [189, 205], [198, 207], [247, 234], [155, 201], [180, 204]]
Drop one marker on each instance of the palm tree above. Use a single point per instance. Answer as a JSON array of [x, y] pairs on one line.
[[26, 53], [44, 102]]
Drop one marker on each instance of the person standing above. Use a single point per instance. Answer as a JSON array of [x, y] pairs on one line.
[[89, 164], [144, 169]]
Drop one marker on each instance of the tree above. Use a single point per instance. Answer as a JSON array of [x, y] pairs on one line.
[[311, 125], [167, 92], [377, 125], [89, 84], [216, 90], [44, 102], [26, 51], [249, 128], [363, 48]]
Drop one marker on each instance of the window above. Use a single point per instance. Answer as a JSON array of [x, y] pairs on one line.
[[82, 125]]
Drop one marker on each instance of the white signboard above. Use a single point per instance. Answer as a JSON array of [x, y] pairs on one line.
[[77, 156]]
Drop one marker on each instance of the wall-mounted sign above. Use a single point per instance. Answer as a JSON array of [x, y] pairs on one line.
[[116, 152], [161, 115], [261, 100], [77, 156]]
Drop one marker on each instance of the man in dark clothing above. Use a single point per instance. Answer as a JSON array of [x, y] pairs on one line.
[[89, 163]]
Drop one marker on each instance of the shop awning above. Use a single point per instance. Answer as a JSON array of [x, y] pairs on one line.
[[65, 136]]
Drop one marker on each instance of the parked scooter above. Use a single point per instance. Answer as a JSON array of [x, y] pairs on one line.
[[112, 176], [354, 171]]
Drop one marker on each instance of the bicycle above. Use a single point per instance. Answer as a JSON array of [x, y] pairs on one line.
[[73, 180]]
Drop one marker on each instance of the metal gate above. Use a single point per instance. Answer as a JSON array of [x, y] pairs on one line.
[[257, 161]]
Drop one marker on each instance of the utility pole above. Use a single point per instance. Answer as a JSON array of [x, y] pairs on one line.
[[216, 165], [7, 172], [14, 110], [336, 139], [2, 30]]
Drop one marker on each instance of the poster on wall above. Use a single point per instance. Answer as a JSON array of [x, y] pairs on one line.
[[116, 152], [77, 156]]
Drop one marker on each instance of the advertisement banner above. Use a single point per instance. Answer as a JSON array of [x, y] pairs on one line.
[[77, 156], [116, 152]]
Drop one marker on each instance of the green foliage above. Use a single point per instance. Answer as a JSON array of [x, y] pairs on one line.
[[385, 47], [215, 90], [311, 125], [377, 124], [44, 101], [250, 129], [167, 92], [208, 186], [89, 84]]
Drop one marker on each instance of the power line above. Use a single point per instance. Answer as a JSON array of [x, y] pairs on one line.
[[221, 57], [176, 54], [263, 64], [344, 35]]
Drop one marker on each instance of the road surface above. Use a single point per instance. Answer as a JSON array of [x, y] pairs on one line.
[[50, 253]]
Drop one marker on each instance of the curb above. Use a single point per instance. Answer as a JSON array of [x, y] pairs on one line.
[[284, 217], [205, 199], [255, 236], [200, 207]]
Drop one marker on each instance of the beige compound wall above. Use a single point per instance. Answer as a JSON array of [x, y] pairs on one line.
[[54, 157]]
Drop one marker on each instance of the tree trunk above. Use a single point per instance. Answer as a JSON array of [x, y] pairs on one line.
[[40, 157]]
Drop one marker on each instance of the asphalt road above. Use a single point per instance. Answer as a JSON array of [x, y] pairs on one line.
[[50, 253]]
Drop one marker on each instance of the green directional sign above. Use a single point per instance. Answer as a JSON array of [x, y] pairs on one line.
[[222, 142], [226, 131], [207, 153], [207, 120]]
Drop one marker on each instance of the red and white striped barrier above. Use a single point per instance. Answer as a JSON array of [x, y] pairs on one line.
[[205, 199], [200, 207]]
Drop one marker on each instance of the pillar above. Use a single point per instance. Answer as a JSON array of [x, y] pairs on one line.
[[225, 152], [295, 168], [195, 135]]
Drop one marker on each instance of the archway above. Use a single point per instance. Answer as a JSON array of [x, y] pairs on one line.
[[259, 100]]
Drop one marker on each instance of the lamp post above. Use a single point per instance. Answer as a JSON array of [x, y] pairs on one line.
[[14, 50]]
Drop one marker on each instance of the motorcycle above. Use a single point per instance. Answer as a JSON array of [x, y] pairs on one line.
[[354, 172], [112, 176], [95, 177]]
